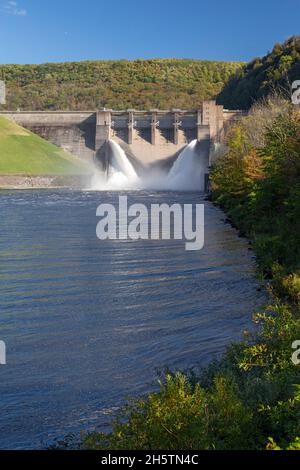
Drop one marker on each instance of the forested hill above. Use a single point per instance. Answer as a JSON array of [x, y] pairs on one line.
[[276, 70], [122, 84]]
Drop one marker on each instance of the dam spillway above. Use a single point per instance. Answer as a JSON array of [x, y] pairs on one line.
[[150, 139], [114, 170]]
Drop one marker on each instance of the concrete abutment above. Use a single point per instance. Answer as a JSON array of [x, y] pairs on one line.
[[149, 136]]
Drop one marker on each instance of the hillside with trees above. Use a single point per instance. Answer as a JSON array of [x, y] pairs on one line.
[[121, 84], [262, 76]]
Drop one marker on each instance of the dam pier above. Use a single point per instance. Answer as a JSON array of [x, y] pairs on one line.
[[148, 136], [140, 143]]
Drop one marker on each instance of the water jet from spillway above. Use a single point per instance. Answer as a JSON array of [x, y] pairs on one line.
[[118, 173], [188, 171]]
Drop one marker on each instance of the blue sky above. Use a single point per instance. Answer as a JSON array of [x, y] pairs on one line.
[[35, 31]]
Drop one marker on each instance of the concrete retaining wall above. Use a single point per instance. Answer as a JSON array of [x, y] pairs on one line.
[[149, 136]]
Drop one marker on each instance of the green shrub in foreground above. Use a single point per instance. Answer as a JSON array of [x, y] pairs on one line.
[[180, 416], [238, 403]]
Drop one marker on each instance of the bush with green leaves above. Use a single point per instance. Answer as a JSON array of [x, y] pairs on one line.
[[259, 188], [236, 403]]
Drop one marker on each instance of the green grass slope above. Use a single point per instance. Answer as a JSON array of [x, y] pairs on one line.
[[24, 153], [117, 84]]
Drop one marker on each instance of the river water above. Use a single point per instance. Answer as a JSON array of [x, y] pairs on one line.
[[87, 322]]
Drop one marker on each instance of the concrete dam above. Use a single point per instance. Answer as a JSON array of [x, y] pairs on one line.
[[150, 139]]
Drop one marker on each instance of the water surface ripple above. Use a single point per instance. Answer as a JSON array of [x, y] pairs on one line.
[[87, 323]]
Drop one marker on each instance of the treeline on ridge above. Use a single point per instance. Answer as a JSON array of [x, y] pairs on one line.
[[262, 76], [119, 84]]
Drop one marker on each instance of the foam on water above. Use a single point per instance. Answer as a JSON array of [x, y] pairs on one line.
[[120, 173], [186, 174]]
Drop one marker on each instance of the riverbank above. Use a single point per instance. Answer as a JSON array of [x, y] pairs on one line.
[[250, 399], [42, 182]]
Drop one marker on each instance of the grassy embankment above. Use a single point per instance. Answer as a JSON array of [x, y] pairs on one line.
[[26, 154], [251, 398]]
